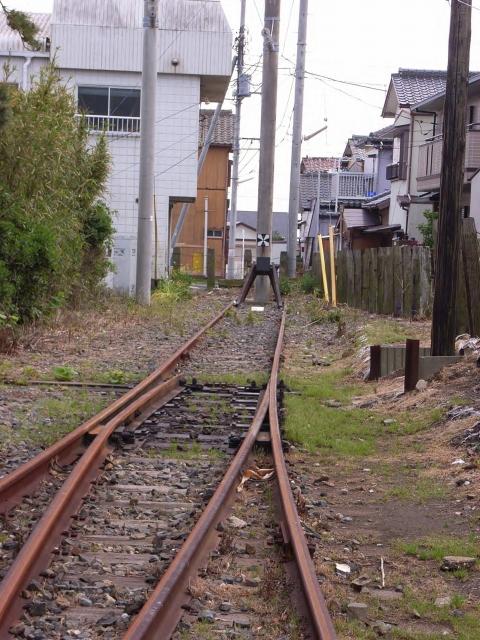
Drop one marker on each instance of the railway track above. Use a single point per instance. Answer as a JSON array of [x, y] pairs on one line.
[[125, 509]]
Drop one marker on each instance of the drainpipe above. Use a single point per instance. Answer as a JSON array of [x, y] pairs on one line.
[[26, 65]]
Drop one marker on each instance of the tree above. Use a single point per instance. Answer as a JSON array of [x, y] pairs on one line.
[[20, 22]]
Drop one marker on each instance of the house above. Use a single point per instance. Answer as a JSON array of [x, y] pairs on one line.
[[329, 185], [430, 152], [97, 46], [246, 238], [206, 220], [412, 128]]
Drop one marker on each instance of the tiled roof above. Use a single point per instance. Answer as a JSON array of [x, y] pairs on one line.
[[310, 185], [314, 165], [223, 134], [414, 85], [11, 41], [382, 134]]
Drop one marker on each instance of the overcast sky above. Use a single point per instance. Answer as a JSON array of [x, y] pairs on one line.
[[360, 41]]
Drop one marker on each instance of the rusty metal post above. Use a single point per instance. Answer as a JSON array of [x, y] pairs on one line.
[[375, 362], [412, 361]]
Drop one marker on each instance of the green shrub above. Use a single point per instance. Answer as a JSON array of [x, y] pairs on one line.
[[64, 373], [307, 283], [285, 286], [54, 227], [426, 229]]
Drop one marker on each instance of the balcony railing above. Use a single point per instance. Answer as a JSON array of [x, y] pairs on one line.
[[112, 124], [430, 159], [350, 185]]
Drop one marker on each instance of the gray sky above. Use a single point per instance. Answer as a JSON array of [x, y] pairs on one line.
[[361, 41]]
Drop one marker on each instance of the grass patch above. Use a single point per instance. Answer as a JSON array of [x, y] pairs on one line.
[[315, 426], [411, 422], [436, 547], [385, 331], [52, 418], [420, 490], [189, 452]]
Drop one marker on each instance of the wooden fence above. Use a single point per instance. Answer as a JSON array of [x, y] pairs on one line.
[[389, 280]]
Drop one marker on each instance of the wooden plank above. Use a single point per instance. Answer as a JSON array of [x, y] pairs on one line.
[[407, 281], [381, 278], [350, 277], [416, 281], [388, 283], [365, 279], [397, 281], [373, 290], [342, 276], [357, 292], [471, 270], [426, 283], [461, 313]]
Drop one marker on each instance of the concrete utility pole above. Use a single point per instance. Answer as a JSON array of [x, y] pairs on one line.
[[294, 201], [267, 136], [147, 153], [451, 183], [232, 237]]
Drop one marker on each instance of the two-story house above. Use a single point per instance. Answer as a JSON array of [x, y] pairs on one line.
[[430, 152], [97, 46], [411, 129]]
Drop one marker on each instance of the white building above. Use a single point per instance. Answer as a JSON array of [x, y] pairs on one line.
[[97, 45]]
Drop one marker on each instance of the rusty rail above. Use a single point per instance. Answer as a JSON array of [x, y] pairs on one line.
[[21, 481], [39, 545], [160, 614], [319, 616]]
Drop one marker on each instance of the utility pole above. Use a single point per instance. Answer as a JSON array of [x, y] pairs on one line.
[[267, 137], [293, 206], [232, 236], [147, 153], [451, 182]]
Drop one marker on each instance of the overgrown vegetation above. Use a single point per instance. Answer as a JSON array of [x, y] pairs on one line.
[[426, 229], [437, 547], [20, 22], [54, 226]]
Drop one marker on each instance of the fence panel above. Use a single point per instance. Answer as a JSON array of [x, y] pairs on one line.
[[389, 280]]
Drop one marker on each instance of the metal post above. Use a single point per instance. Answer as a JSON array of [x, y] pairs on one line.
[[232, 237], [412, 361], [375, 362], [293, 206], [205, 237], [267, 136], [147, 153]]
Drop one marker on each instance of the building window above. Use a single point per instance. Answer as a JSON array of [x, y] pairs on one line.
[[215, 233], [110, 108]]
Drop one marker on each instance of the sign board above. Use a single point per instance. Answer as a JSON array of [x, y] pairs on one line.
[[263, 240]]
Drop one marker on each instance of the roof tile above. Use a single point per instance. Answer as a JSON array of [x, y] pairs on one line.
[[223, 133]]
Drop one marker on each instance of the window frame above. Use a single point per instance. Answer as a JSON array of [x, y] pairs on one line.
[[109, 88]]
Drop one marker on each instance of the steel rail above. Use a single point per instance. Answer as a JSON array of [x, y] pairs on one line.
[[319, 615], [39, 545], [159, 616], [19, 482]]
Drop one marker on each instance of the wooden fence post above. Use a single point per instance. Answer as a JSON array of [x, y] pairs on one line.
[[375, 362], [471, 269], [388, 284], [412, 362], [210, 268], [397, 281], [373, 280], [357, 293], [350, 278]]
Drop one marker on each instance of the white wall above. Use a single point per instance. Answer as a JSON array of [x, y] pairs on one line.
[[475, 201]]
